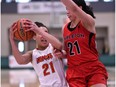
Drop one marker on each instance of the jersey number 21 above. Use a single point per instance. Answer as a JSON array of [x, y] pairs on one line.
[[71, 47], [46, 66]]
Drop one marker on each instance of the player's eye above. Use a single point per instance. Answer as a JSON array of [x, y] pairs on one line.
[[46, 31]]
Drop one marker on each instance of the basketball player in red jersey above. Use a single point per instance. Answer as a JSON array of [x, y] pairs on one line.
[[84, 68]]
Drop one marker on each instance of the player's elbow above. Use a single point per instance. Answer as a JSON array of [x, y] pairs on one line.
[[59, 46], [21, 62]]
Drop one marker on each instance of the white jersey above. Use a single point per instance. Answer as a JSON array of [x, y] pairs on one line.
[[50, 70]]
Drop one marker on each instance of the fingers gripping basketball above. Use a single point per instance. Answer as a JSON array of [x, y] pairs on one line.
[[21, 33]]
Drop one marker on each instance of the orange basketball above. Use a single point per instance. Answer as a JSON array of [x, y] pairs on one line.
[[21, 33]]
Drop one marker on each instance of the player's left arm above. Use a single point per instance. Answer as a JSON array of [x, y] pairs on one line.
[[52, 39], [39, 30]]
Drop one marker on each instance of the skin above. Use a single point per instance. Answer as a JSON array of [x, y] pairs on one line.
[[42, 38], [76, 14]]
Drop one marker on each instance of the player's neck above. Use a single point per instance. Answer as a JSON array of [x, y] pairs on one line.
[[41, 47], [74, 23]]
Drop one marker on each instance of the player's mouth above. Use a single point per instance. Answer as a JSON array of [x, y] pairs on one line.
[[44, 41], [68, 15]]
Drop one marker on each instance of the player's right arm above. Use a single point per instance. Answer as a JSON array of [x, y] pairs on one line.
[[21, 59]]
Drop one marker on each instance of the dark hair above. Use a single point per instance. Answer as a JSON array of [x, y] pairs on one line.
[[85, 8], [39, 24]]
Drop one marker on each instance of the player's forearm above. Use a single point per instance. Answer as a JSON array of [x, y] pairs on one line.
[[53, 40], [18, 56], [69, 4]]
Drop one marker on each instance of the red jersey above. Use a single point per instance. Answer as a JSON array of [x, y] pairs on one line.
[[79, 44]]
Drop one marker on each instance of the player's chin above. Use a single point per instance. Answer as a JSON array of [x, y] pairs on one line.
[[68, 16], [45, 44]]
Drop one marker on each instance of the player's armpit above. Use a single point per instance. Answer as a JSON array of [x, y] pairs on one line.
[[27, 57]]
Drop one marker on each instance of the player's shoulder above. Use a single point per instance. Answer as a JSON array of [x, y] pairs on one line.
[[66, 27], [29, 52]]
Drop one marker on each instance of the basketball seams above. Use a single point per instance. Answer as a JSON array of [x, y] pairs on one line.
[[18, 24], [16, 33], [22, 31], [25, 34]]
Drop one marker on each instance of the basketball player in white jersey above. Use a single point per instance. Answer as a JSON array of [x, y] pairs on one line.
[[48, 68]]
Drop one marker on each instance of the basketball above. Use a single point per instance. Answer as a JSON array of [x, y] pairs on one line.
[[21, 33]]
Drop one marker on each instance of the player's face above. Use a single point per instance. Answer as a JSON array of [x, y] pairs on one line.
[[42, 42], [70, 15]]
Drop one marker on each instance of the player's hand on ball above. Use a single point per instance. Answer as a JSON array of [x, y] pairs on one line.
[[12, 29], [31, 26], [21, 33]]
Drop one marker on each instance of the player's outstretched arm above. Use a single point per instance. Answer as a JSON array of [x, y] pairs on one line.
[[87, 20], [53, 40], [21, 59]]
